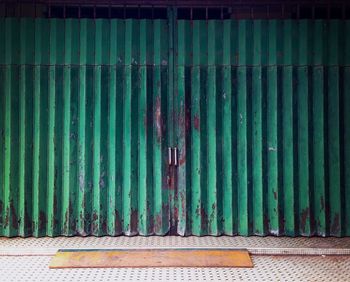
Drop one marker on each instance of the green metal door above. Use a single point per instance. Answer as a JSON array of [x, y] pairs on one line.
[[263, 127], [258, 110], [84, 127]]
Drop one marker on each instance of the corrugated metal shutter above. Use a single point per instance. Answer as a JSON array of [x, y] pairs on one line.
[[84, 117], [263, 127], [262, 123]]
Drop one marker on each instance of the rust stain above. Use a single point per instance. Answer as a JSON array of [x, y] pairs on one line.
[[42, 221], [101, 180], [188, 120], [204, 219], [304, 216], [94, 223], [158, 222], [134, 220], [81, 230], [145, 121], [335, 227], [158, 120], [266, 221], [55, 209], [165, 208], [94, 216], [250, 225], [183, 205], [150, 226], [73, 221], [13, 216], [117, 222], [104, 226], [176, 213], [1, 208], [196, 122], [200, 211], [182, 156], [282, 222], [1, 219], [27, 222], [322, 203], [6, 223]]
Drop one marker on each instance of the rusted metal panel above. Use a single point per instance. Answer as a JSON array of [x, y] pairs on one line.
[[84, 118], [262, 127], [258, 110]]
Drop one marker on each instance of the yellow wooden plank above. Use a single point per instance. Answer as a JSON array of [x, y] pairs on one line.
[[151, 258]]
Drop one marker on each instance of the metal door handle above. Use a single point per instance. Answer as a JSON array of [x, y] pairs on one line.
[[175, 156]]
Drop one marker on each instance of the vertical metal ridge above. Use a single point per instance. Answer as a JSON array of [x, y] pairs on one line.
[[303, 151], [241, 115], [318, 124], [158, 133], [66, 200], [73, 59], [97, 204], [212, 201], [197, 208], [135, 93], [3, 41], [127, 213], [22, 132], [104, 120], [346, 138], [272, 133], [82, 182], [303, 132], [166, 126], [235, 118], [181, 211], [226, 147], [171, 119], [104, 128], [257, 160], [334, 172], [143, 207], [2, 144], [7, 130], [112, 131], [346, 128], [4, 86], [288, 159], [43, 122], [12, 125], [134, 104], [118, 211], [51, 189], [333, 109], [36, 131], [318, 151]]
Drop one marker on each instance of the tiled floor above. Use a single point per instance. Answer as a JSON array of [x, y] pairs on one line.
[[28, 259]]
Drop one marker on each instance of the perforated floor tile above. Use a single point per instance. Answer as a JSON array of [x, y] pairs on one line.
[[255, 245], [267, 268]]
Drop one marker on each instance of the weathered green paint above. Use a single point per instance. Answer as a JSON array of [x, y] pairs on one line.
[[227, 131], [183, 212], [279, 146], [259, 115], [70, 94]]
